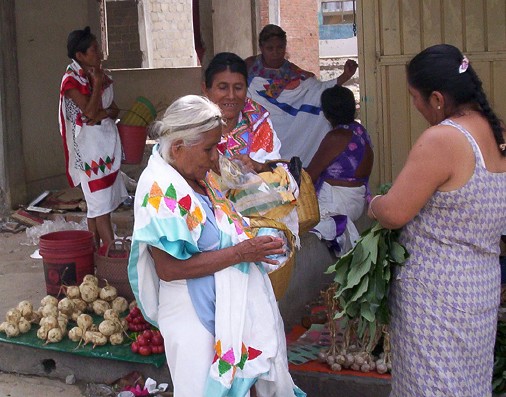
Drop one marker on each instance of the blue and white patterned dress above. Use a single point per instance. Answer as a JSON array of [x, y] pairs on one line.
[[444, 299]]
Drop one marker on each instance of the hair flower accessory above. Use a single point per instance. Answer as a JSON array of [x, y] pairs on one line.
[[464, 65]]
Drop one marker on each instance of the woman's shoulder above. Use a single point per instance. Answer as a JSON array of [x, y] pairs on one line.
[[250, 61], [253, 109]]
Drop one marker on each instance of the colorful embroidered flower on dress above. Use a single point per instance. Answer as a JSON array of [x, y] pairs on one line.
[[352, 146], [100, 166], [227, 361], [156, 196]]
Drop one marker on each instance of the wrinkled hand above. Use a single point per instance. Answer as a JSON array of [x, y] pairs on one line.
[[350, 68], [258, 248]]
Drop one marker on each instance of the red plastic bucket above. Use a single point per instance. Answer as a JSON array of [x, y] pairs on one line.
[[133, 141], [67, 257]]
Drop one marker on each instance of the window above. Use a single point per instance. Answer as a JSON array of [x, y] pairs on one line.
[[338, 12]]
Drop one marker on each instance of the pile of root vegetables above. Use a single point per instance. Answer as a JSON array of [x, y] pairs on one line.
[[358, 300], [72, 316]]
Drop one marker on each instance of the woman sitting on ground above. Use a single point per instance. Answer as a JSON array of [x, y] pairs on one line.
[[340, 170]]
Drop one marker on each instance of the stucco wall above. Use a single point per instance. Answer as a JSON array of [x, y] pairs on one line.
[[41, 63], [41, 32], [232, 27]]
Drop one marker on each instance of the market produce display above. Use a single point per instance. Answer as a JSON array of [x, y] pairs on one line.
[[74, 318], [148, 342], [358, 298]]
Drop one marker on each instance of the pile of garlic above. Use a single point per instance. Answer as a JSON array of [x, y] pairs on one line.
[[53, 315]]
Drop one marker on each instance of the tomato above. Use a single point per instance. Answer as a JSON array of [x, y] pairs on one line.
[[137, 320], [157, 340], [129, 318], [145, 350], [134, 347], [135, 312], [148, 334], [157, 349]]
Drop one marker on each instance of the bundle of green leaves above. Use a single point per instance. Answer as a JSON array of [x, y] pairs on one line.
[[363, 277]]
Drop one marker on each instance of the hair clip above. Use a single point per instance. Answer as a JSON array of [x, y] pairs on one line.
[[464, 65]]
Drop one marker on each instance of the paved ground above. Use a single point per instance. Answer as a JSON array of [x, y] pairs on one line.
[[22, 277], [13, 385]]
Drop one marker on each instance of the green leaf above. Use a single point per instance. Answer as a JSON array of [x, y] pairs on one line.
[[361, 289], [331, 269], [398, 252], [361, 328], [366, 312], [358, 271], [352, 309], [342, 267], [372, 332], [358, 254], [383, 314]]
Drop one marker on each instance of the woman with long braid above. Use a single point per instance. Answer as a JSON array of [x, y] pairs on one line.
[[450, 200]]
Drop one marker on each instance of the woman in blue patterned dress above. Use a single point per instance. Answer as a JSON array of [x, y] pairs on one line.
[[450, 200]]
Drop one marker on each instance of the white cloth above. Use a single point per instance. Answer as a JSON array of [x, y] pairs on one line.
[[249, 344], [340, 200], [296, 116], [92, 152]]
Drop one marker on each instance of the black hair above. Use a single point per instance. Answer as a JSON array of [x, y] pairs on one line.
[[270, 31], [225, 61], [338, 105], [79, 41], [437, 69]]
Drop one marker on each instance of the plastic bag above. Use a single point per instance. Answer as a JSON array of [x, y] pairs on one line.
[[281, 258], [250, 194]]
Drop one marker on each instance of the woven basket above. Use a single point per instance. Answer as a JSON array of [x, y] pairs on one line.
[[113, 267], [280, 278], [307, 205], [308, 210]]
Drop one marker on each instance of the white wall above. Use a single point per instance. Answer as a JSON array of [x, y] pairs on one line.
[[338, 48]]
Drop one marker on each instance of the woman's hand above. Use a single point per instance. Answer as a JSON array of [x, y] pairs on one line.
[[350, 68], [258, 248], [96, 76]]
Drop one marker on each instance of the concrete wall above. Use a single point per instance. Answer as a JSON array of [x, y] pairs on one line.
[[42, 59], [232, 27]]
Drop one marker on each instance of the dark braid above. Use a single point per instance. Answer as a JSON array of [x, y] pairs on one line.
[[437, 69], [481, 99]]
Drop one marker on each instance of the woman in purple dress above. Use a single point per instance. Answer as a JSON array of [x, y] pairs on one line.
[[340, 170], [450, 200]]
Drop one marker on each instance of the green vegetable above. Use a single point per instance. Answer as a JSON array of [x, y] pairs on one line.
[[363, 275]]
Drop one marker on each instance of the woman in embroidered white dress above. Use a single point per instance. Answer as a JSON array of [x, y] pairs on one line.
[[192, 267], [87, 114]]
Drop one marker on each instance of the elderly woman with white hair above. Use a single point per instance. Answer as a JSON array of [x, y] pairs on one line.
[[193, 267]]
